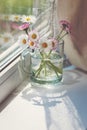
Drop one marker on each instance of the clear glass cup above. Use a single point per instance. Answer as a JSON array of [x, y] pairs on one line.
[[47, 71]]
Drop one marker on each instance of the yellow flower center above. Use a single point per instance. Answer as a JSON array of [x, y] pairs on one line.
[[16, 17], [34, 36], [24, 41], [6, 39], [44, 45], [31, 43], [28, 19], [6, 17]]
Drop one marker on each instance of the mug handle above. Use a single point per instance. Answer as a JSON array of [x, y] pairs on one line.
[[26, 61]]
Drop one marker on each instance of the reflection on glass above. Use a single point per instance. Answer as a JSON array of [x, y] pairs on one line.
[[11, 12], [14, 13]]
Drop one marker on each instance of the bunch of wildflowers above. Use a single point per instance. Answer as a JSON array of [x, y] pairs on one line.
[[45, 47], [17, 22], [34, 41]]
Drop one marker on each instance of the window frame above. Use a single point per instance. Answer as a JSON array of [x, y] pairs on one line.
[[10, 55]]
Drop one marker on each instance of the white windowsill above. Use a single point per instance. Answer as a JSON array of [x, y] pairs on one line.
[[9, 79], [33, 108]]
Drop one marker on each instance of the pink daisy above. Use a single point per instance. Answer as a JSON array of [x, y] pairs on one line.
[[54, 43], [65, 25], [24, 26]]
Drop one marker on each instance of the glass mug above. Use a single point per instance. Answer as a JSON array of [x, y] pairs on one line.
[[46, 72]]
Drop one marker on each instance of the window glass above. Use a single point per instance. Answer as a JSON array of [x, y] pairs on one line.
[[12, 13]]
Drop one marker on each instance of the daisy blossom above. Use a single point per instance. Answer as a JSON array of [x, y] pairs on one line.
[[7, 38], [33, 19], [5, 17], [33, 36], [23, 40], [28, 19], [65, 26], [53, 43], [15, 18], [32, 45], [45, 46]]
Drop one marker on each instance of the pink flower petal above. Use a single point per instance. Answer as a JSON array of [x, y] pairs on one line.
[[24, 26], [65, 25]]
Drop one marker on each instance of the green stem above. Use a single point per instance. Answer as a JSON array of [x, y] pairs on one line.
[[42, 54], [42, 65], [38, 71], [40, 68], [63, 36], [45, 68], [49, 54], [26, 30], [54, 67], [60, 33]]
